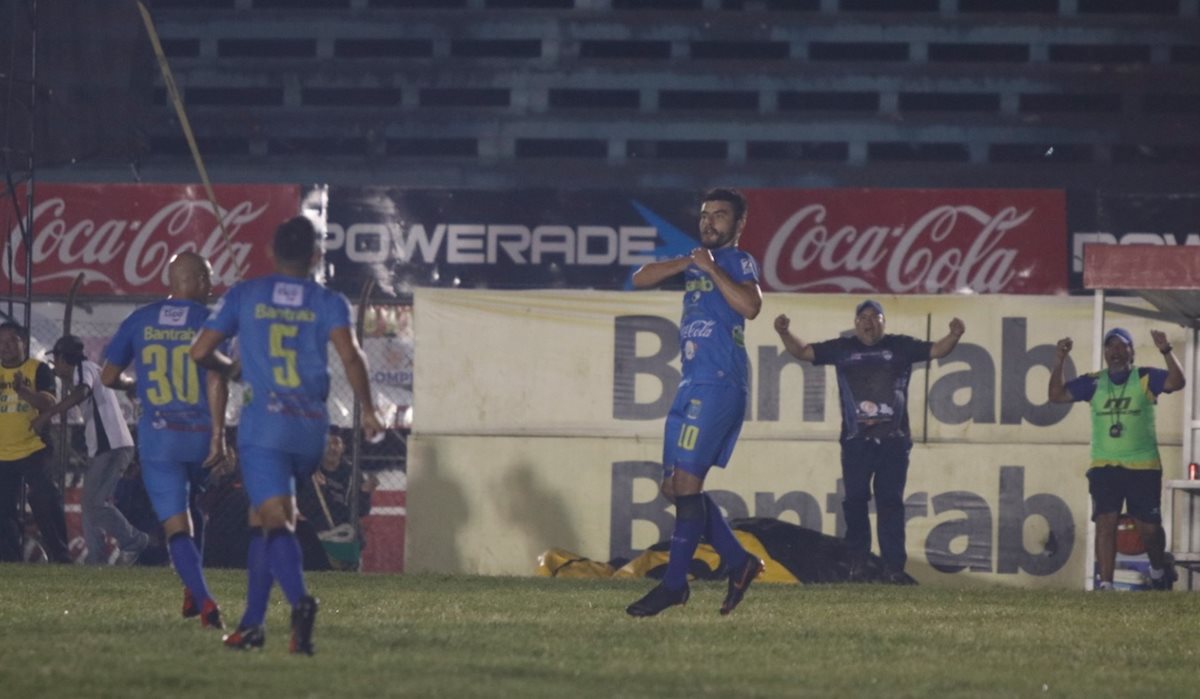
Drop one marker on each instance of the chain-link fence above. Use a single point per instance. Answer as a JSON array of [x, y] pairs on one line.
[[353, 508]]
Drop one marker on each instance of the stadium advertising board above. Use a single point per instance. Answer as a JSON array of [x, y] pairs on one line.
[[566, 407], [121, 236], [1129, 219], [823, 240], [908, 241]]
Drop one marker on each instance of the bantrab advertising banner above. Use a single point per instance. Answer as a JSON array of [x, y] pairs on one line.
[[120, 237], [876, 241], [547, 432], [1115, 218]]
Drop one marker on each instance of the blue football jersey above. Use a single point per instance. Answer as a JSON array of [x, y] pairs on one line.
[[283, 325], [712, 334], [175, 424]]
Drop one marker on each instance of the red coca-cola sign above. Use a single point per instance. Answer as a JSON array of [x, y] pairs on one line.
[[909, 241], [122, 236]]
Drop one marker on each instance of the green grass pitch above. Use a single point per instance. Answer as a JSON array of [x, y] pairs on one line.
[[116, 632]]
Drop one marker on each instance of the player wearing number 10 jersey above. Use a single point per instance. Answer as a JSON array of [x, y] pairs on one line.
[[284, 323], [181, 429]]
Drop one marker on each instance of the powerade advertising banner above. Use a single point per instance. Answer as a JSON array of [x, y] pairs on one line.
[[120, 237], [875, 241], [1129, 219]]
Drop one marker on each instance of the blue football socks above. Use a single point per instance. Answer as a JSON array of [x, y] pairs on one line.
[[258, 581], [186, 559], [720, 535], [689, 527], [287, 564]]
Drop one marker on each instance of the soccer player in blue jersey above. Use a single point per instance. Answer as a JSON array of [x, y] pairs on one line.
[[181, 431], [721, 292], [284, 322]]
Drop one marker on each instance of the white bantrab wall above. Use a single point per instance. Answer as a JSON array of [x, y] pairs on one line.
[[541, 417]]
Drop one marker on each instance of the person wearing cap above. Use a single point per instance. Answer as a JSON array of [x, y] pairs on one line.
[[873, 370], [1125, 468], [110, 451], [26, 389]]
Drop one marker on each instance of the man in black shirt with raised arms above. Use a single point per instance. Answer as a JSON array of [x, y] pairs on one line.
[[873, 370]]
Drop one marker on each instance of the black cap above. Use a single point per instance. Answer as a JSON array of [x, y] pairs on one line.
[[70, 348]]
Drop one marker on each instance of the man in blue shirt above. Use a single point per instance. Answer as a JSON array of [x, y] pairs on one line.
[[181, 431], [873, 369], [284, 322], [721, 292]]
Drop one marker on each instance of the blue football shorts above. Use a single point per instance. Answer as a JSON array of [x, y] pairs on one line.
[[167, 484], [702, 427], [270, 473]]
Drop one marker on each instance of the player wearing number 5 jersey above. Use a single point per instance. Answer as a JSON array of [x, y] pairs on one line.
[[720, 293], [284, 323], [181, 431]]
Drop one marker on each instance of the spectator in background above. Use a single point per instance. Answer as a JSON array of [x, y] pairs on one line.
[[873, 369], [1125, 469], [26, 389], [328, 503], [110, 451]]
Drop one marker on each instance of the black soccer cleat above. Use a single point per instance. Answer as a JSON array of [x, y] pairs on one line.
[[739, 582], [304, 616], [210, 616], [657, 600], [245, 638], [190, 608]]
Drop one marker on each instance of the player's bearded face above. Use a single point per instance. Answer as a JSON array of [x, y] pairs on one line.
[[718, 228]]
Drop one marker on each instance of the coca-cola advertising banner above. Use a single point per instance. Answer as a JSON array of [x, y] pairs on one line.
[[122, 236], [877, 241], [908, 241], [1114, 218]]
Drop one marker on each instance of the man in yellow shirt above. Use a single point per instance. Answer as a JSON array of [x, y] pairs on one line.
[[26, 389]]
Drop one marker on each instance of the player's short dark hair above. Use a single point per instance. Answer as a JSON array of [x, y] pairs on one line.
[[295, 240], [732, 196]]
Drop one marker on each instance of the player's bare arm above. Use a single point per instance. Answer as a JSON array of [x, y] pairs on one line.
[[1057, 392], [743, 297], [218, 398], [205, 351], [794, 345], [946, 345], [112, 377], [654, 273], [1175, 378]]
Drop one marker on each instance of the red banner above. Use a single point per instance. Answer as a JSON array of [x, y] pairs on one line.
[[122, 236], [909, 241]]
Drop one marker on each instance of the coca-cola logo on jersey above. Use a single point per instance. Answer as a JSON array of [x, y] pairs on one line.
[[883, 243], [122, 242]]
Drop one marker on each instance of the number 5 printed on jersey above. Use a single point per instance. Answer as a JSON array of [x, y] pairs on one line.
[[285, 373]]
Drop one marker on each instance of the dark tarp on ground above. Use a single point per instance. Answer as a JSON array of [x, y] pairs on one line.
[[791, 553]]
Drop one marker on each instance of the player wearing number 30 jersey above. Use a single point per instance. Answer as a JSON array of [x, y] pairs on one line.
[[179, 432]]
